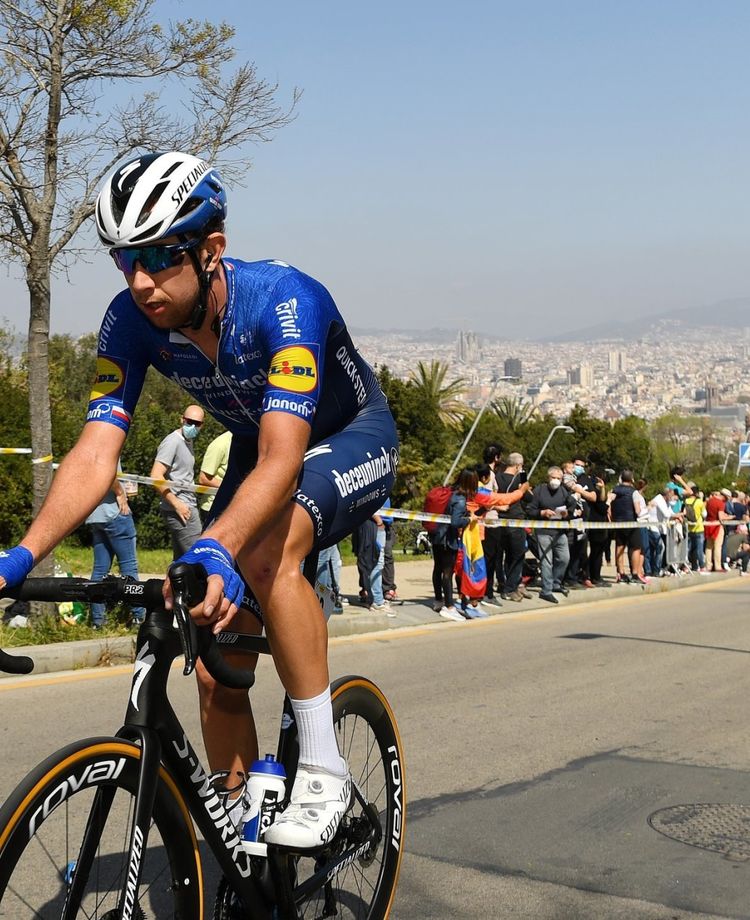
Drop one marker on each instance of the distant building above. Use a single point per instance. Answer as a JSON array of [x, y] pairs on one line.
[[513, 368], [581, 376], [712, 397], [468, 349], [618, 362]]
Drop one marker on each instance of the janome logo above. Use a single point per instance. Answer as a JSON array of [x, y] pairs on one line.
[[294, 369]]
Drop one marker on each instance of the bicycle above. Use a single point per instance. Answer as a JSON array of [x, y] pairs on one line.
[[105, 827]]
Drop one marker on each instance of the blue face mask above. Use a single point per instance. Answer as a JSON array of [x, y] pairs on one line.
[[190, 432], [578, 470]]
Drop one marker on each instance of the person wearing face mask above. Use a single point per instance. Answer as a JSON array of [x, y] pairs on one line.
[[552, 501], [175, 465]]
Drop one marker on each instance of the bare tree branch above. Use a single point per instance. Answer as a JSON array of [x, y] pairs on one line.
[[60, 60]]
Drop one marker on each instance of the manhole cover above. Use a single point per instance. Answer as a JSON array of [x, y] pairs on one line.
[[722, 829]]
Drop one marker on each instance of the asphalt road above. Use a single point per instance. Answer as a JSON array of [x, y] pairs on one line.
[[581, 762]]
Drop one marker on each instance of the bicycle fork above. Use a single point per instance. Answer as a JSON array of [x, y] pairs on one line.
[[148, 777]]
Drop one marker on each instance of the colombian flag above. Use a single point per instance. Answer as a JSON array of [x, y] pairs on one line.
[[473, 571]]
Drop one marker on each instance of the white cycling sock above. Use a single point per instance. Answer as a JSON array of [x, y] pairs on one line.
[[317, 739]]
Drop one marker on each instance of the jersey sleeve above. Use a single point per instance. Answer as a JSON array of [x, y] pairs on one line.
[[120, 368], [294, 328]]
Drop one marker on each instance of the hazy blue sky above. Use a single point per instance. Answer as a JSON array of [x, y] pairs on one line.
[[506, 167]]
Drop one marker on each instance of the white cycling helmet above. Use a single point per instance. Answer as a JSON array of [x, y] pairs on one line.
[[158, 195]]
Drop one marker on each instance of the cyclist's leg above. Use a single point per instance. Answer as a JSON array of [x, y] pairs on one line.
[[227, 720]]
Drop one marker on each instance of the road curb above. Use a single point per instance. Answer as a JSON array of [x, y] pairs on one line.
[[93, 653]]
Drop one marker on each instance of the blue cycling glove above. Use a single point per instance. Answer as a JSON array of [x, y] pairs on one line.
[[216, 560], [15, 565]]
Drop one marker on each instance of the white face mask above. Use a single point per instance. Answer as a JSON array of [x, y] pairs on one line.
[[554, 484]]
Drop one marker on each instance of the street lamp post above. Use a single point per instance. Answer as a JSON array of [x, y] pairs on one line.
[[726, 459], [495, 382], [565, 428], [739, 459]]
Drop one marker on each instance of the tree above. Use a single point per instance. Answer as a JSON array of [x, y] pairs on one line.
[[433, 391], [57, 141], [515, 411]]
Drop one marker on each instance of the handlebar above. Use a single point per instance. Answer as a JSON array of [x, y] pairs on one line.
[[188, 588]]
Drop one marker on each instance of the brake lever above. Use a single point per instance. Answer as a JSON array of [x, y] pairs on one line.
[[188, 589]]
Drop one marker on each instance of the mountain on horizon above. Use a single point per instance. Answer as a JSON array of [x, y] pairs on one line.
[[732, 314], [726, 314]]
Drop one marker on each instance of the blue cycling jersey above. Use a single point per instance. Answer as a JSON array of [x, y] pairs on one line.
[[283, 347]]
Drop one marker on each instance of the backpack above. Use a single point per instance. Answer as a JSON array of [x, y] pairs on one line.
[[690, 511], [435, 502]]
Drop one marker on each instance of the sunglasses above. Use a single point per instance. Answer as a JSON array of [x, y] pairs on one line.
[[192, 421], [151, 258]]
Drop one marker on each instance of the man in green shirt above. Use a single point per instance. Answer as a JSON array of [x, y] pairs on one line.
[[213, 469]]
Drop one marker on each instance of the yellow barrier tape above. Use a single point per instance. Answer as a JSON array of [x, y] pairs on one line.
[[15, 450], [182, 486], [575, 524], [47, 459]]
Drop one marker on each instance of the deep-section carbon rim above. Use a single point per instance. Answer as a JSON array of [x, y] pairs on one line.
[[42, 826]]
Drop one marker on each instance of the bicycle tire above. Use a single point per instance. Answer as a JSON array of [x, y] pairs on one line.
[[41, 827]]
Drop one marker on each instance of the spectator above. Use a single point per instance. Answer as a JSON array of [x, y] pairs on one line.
[[511, 541], [678, 485], [552, 501], [737, 506], [659, 513], [492, 540], [370, 550], [113, 537], [389, 566], [695, 511], [329, 575], [597, 512], [446, 542], [742, 556], [715, 514], [641, 515], [583, 488], [624, 511], [213, 469], [175, 462]]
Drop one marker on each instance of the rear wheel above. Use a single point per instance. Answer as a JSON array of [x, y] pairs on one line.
[[370, 841], [42, 826]]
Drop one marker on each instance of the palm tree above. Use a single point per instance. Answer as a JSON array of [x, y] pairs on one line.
[[514, 411], [429, 380]]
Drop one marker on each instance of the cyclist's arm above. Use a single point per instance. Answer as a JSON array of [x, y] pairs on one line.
[[81, 482]]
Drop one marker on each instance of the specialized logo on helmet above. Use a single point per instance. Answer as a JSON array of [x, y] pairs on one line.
[[294, 369], [188, 183], [109, 378]]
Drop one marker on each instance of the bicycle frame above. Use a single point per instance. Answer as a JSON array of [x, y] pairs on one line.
[[163, 742]]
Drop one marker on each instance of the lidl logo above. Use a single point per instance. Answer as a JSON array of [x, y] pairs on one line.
[[294, 369], [109, 378]]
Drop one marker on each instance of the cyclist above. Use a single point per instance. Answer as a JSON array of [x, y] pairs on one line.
[[264, 349]]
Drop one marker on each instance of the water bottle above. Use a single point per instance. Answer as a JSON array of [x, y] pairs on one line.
[[266, 788]]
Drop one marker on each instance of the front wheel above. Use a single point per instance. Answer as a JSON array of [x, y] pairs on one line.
[[42, 825]]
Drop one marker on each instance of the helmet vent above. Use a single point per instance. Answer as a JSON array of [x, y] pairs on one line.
[[152, 199]]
